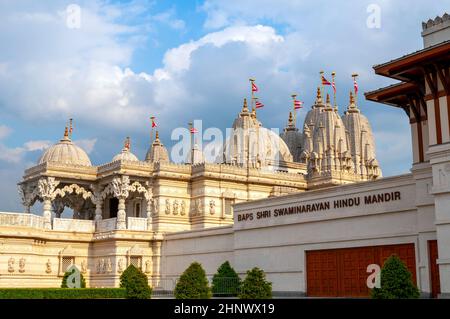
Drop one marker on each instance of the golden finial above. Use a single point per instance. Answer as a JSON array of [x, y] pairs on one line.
[[245, 107], [157, 135], [319, 94], [126, 144], [328, 98], [291, 119], [66, 132], [352, 100]]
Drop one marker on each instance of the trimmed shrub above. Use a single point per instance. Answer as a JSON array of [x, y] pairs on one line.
[[67, 274], [59, 293], [136, 283], [226, 281], [193, 284], [396, 281], [255, 285]]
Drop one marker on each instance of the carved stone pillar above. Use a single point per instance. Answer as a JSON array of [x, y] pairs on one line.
[[97, 199], [149, 214], [156, 261], [149, 198], [25, 196], [47, 214], [46, 190], [121, 214], [121, 188], [98, 211]]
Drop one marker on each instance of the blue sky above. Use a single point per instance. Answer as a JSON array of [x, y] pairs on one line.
[[185, 60]]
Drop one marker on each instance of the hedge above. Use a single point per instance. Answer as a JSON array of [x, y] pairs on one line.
[[62, 293]]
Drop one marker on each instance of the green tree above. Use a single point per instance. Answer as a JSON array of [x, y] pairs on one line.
[[226, 281], [67, 274], [193, 284], [255, 285], [396, 281], [136, 283]]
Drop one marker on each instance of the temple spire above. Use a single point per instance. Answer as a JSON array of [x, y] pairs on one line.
[[244, 107], [127, 143], [66, 133], [318, 96]]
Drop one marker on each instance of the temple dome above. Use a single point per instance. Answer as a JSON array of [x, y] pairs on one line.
[[125, 154], [325, 140], [157, 152], [361, 141], [253, 145], [65, 152]]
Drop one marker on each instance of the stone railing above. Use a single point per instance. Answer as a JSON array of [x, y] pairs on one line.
[[77, 225], [21, 219], [137, 223], [105, 225]]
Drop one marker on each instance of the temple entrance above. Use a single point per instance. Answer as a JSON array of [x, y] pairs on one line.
[[343, 272]]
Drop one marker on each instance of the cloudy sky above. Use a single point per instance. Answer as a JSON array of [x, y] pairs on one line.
[[184, 60]]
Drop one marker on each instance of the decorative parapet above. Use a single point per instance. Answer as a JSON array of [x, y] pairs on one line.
[[106, 225], [137, 223], [53, 168], [121, 164], [20, 219], [74, 225], [436, 22]]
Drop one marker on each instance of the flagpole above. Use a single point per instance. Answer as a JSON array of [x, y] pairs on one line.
[[252, 80], [354, 76], [192, 141], [321, 82], [333, 75], [295, 110], [151, 131], [71, 128]]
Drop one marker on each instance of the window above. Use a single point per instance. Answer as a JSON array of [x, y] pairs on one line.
[[136, 261], [228, 208], [67, 262], [113, 207], [137, 210]]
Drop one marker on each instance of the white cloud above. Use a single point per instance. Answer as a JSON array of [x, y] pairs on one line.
[[168, 18], [4, 131], [179, 59], [11, 155], [39, 145], [86, 144]]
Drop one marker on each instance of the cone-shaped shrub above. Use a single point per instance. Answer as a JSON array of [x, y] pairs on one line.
[[136, 283], [193, 284], [396, 281], [67, 274], [255, 285], [226, 281]]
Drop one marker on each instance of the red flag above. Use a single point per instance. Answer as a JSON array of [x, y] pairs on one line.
[[325, 81], [258, 104], [153, 122], [193, 130], [298, 104], [355, 86], [254, 87]]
